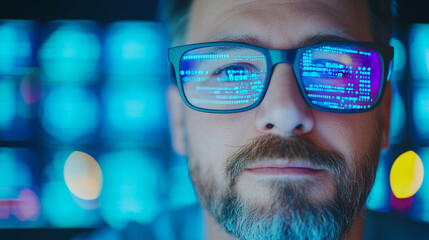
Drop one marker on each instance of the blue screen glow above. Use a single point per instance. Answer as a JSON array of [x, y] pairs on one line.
[[419, 52], [15, 46], [136, 48], [71, 53], [135, 111], [131, 187], [420, 108], [70, 112], [398, 116], [59, 206]]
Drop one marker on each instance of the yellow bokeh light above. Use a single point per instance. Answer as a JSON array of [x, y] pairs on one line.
[[406, 175], [83, 176]]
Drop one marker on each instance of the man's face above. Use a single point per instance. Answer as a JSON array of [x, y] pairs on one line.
[[283, 161]]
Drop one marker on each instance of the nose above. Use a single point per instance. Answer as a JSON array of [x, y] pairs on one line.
[[283, 111]]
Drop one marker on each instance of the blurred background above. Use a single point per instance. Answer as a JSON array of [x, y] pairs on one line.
[[84, 138]]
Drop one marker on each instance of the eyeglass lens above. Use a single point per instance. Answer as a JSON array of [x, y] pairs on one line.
[[341, 77]]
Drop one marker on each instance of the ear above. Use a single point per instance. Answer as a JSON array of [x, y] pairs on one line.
[[177, 122], [385, 116]]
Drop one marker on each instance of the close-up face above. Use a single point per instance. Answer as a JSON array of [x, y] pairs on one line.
[[283, 154]]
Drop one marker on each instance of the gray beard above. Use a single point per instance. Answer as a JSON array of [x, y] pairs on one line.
[[290, 214]]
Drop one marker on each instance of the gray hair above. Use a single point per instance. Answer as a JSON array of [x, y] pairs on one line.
[[175, 13]]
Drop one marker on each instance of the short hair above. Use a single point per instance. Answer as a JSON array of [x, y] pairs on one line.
[[175, 14]]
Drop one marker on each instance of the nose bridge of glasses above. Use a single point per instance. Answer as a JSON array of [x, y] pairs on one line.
[[282, 56]]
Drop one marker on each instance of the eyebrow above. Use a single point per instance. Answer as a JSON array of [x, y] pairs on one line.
[[312, 39]]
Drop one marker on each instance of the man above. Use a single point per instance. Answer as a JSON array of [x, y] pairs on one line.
[[282, 112]]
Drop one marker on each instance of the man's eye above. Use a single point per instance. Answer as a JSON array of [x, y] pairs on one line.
[[235, 71]]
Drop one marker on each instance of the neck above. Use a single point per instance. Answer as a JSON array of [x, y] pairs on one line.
[[215, 232]]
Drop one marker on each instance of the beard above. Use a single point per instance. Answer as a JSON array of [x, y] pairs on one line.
[[290, 213]]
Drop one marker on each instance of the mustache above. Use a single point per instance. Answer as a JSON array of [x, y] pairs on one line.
[[295, 148]]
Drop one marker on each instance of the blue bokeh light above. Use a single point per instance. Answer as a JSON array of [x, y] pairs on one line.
[[71, 53], [130, 190], [181, 189], [134, 111], [419, 52], [136, 48], [15, 46], [58, 205], [70, 112], [15, 173], [7, 103], [420, 104], [397, 118], [378, 199]]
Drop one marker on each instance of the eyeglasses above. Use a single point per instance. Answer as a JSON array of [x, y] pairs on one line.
[[229, 77]]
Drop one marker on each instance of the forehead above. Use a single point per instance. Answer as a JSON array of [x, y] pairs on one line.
[[278, 23]]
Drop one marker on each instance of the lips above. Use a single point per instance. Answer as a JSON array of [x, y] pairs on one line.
[[282, 167]]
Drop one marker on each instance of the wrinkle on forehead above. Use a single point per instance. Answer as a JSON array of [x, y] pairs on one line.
[[276, 21]]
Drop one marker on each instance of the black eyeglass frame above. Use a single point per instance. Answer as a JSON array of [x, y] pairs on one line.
[[291, 57]]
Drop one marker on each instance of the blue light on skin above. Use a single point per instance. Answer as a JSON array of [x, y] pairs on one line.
[[136, 48], [15, 46], [71, 53], [419, 52], [397, 118], [130, 190], [134, 111], [14, 173], [420, 210], [378, 199], [70, 112], [7, 103], [420, 110], [58, 205]]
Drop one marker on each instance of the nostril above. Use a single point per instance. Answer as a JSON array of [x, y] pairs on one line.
[[270, 126], [299, 126]]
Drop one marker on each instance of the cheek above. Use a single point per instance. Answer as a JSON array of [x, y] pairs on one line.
[[212, 138], [350, 134]]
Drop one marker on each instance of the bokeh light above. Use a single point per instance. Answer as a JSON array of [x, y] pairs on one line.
[[59, 207], [420, 210], [378, 198], [18, 201], [399, 59], [60, 210], [14, 173], [83, 176], [71, 53], [136, 49], [131, 185], [398, 116], [181, 190], [401, 205], [29, 208], [15, 46], [406, 175], [419, 52], [70, 112], [420, 108], [7, 102], [135, 111], [31, 87]]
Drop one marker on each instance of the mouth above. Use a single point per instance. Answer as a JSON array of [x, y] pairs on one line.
[[285, 168]]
